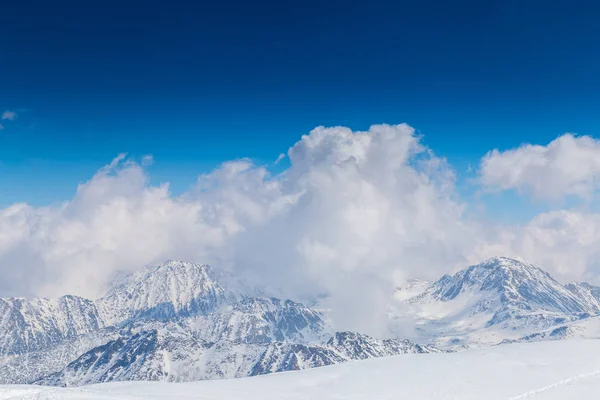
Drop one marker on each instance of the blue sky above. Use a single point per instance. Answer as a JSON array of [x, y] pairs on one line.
[[357, 209], [198, 85]]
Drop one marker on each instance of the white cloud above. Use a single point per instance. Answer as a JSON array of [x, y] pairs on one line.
[[363, 211], [147, 160], [9, 115], [565, 242], [279, 158], [353, 215], [75, 247], [569, 165]]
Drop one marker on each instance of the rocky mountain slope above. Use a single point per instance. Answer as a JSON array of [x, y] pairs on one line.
[[182, 321], [341, 347], [173, 289], [559, 370], [176, 322], [497, 300], [35, 324], [173, 354]]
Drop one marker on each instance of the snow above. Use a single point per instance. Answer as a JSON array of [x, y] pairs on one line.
[[32, 324], [501, 299], [174, 288], [413, 287], [181, 322], [554, 370]]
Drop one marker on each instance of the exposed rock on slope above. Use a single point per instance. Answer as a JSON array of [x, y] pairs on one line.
[[30, 325]]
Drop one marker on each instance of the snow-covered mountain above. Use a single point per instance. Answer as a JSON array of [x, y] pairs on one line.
[[586, 292], [28, 325], [257, 320], [413, 287], [34, 365], [341, 347], [177, 321], [174, 354], [516, 283], [559, 370], [162, 354], [173, 289], [181, 321], [500, 299]]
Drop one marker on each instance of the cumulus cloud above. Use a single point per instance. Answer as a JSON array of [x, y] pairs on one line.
[[75, 247], [352, 216], [9, 115], [362, 211], [569, 165], [565, 242]]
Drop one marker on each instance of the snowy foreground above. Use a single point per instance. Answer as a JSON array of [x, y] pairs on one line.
[[567, 369]]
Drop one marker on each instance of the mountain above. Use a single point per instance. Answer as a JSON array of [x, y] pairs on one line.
[[173, 289], [256, 320], [499, 299], [116, 360], [412, 287], [174, 354], [177, 321], [588, 293], [33, 324], [342, 347], [210, 301], [165, 353], [558, 370], [182, 321], [222, 344], [34, 365], [356, 346], [516, 283]]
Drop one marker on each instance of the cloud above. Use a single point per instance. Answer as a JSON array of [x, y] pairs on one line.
[[279, 158], [361, 212], [564, 242], [1, 127], [567, 166], [352, 216], [9, 115], [147, 160]]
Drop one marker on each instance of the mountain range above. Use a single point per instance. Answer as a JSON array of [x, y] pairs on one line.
[[177, 321], [499, 300], [181, 321]]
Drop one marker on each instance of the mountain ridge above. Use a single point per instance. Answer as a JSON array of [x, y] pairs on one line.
[[496, 297], [181, 321], [185, 321]]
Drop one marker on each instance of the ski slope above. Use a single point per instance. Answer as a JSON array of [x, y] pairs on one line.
[[568, 369]]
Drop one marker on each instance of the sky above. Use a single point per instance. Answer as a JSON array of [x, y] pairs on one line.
[[195, 85], [413, 133]]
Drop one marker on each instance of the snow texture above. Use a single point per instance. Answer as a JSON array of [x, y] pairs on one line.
[[174, 322], [560, 370], [180, 322], [499, 300]]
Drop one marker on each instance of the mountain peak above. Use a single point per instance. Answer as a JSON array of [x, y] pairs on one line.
[[172, 263], [173, 288], [174, 267], [507, 263], [516, 282], [501, 294]]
